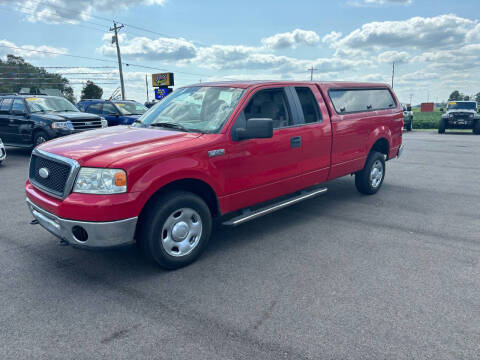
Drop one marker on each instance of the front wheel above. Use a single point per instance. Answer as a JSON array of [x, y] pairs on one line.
[[40, 137], [175, 229], [441, 126], [476, 127], [369, 180]]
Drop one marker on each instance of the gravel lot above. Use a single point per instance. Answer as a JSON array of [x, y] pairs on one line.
[[395, 275]]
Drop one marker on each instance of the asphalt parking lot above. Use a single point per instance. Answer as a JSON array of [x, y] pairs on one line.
[[395, 275]]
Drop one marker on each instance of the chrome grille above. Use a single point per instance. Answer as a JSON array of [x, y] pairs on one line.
[[86, 124]]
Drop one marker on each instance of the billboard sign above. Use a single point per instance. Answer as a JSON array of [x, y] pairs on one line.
[[163, 79]]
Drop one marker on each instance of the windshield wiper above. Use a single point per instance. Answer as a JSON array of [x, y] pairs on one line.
[[171, 126]]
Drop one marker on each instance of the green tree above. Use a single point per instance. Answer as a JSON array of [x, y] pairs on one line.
[[16, 73], [456, 96], [91, 91]]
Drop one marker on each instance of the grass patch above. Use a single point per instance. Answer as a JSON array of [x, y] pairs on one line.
[[426, 120]]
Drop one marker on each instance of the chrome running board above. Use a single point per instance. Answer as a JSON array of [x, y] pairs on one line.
[[250, 215]]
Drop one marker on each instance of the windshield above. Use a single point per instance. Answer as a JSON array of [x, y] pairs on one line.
[[468, 105], [202, 109], [47, 104], [130, 107]]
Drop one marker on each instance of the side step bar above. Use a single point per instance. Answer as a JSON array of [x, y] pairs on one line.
[[250, 215]]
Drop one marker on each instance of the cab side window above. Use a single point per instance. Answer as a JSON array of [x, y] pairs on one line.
[[272, 104], [309, 104], [109, 109], [18, 105], [95, 108]]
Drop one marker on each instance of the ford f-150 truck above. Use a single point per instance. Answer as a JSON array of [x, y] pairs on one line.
[[235, 150]]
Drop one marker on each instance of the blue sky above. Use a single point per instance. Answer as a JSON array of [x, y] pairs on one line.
[[435, 44]]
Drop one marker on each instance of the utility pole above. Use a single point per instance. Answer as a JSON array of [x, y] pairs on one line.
[[311, 72], [146, 85], [115, 39], [411, 98], [393, 73]]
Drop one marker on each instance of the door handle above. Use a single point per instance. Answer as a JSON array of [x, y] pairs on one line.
[[295, 142]]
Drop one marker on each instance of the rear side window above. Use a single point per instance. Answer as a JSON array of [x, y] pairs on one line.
[[18, 105], [270, 103], [6, 105], [95, 108], [310, 109], [360, 100]]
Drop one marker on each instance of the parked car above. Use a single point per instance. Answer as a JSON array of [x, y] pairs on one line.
[[29, 120], [117, 112], [3, 152], [407, 117], [219, 149], [460, 115]]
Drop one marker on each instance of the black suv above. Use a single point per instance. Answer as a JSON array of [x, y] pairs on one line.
[[29, 120]]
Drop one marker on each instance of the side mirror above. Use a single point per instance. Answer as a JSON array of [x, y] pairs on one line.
[[257, 128], [441, 109]]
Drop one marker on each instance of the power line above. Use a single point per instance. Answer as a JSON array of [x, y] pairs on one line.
[[97, 59]]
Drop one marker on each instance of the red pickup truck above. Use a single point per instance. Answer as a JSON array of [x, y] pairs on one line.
[[237, 150]]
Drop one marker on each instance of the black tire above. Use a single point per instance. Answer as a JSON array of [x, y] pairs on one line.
[[408, 127], [476, 127], [40, 137], [441, 126], [363, 182], [154, 223]]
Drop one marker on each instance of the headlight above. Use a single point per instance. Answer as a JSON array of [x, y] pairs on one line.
[[64, 125], [450, 116], [100, 181], [472, 116], [104, 122]]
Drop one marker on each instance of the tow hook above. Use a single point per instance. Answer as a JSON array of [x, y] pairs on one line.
[[34, 222]]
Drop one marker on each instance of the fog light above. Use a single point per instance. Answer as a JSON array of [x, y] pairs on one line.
[[79, 233]]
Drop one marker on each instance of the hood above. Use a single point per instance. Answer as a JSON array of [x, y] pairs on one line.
[[66, 115], [102, 147], [467, 111]]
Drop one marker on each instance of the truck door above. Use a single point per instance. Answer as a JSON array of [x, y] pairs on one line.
[[316, 131], [260, 169], [6, 128], [20, 124]]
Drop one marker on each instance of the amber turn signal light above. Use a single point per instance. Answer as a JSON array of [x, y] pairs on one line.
[[120, 179]]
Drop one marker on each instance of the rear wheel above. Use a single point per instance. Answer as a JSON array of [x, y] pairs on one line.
[[40, 137], [369, 180], [408, 127], [441, 126], [175, 229]]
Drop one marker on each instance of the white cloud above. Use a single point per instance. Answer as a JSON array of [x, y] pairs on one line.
[[398, 57], [164, 49], [291, 39], [64, 11], [364, 3], [416, 32], [8, 47], [332, 37]]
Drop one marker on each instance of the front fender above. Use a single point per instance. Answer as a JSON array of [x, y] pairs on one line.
[[153, 177]]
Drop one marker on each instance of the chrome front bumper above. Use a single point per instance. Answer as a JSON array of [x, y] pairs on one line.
[[100, 234]]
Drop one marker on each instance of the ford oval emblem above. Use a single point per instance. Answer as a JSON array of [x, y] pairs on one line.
[[44, 173]]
